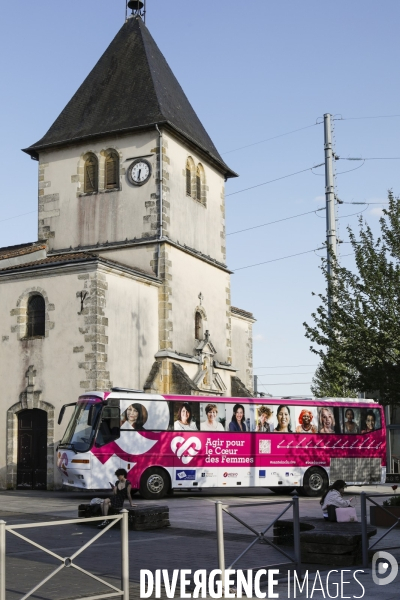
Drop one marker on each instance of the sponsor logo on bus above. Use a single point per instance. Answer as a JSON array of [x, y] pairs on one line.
[[186, 474], [208, 474], [186, 450], [230, 474]]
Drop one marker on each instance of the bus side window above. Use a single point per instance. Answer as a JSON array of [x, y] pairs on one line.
[[370, 420], [109, 426]]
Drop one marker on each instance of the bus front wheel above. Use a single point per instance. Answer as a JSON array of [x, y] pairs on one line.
[[154, 484], [315, 482]]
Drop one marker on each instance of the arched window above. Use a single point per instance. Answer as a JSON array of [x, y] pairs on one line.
[[188, 181], [189, 176], [198, 326], [198, 183], [91, 174], [112, 171], [36, 316]]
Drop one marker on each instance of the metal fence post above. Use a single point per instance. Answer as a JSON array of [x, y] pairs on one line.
[[220, 539], [124, 554], [296, 534], [2, 560], [364, 532]]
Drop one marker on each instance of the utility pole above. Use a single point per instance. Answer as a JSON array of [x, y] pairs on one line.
[[255, 385], [331, 241]]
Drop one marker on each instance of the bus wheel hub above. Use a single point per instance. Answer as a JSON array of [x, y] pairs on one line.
[[155, 483]]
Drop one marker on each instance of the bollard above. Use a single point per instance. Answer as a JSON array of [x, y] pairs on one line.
[[364, 532], [296, 535], [2, 560], [220, 539], [124, 555]]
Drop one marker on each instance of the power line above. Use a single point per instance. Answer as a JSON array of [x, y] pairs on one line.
[[276, 259], [359, 118], [285, 367], [272, 180], [16, 216], [278, 221], [274, 374], [368, 203], [294, 383], [374, 158], [269, 139]]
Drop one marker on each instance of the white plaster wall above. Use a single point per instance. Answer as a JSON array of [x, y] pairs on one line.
[[132, 310], [190, 276], [56, 364], [241, 332], [139, 257], [191, 223], [108, 216]]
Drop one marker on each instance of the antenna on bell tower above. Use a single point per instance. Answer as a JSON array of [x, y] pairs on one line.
[[138, 8]]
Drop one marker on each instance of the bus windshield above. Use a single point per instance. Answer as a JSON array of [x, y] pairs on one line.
[[79, 435]]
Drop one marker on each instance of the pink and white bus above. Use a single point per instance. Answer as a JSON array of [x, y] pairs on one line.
[[186, 442]]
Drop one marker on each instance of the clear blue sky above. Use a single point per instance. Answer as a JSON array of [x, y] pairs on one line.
[[252, 70]]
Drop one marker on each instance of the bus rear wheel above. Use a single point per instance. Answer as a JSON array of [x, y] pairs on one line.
[[154, 484], [315, 482]]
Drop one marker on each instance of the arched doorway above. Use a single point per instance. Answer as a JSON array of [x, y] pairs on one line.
[[32, 449]]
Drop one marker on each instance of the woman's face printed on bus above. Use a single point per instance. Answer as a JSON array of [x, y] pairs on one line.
[[239, 415], [184, 415], [283, 418], [306, 418], [263, 417], [212, 414], [349, 415], [326, 418], [370, 422], [132, 414]]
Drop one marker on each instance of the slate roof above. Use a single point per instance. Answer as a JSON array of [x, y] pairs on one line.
[[242, 313], [74, 257], [19, 250], [130, 87]]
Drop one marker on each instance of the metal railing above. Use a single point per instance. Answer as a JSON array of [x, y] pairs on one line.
[[364, 531], [68, 562], [260, 536]]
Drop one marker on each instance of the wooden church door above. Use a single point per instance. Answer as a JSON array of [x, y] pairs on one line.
[[32, 450]]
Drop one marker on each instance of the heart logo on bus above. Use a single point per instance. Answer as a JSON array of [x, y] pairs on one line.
[[185, 449]]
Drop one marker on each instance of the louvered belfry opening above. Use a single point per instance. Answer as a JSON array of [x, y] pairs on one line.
[[188, 181], [36, 316], [198, 186], [91, 174], [111, 172]]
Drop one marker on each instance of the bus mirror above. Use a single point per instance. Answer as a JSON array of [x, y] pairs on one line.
[[62, 411], [60, 416]]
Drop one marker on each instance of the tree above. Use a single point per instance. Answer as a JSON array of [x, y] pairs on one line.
[[357, 336]]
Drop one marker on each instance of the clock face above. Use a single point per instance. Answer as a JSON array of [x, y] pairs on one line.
[[139, 171]]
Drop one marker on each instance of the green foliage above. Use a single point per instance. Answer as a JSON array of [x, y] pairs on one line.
[[357, 337], [392, 501]]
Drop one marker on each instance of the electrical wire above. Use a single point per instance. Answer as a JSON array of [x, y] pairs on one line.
[[278, 221], [275, 374], [294, 383], [368, 203], [271, 138], [379, 158], [272, 180], [16, 216], [276, 259], [285, 367], [350, 170], [360, 118]]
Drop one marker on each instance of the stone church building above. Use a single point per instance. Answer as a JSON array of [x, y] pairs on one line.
[[127, 284]]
